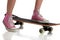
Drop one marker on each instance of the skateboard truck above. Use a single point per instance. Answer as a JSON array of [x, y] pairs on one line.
[[19, 23], [46, 28]]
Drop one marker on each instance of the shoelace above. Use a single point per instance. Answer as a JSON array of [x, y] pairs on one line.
[[11, 21]]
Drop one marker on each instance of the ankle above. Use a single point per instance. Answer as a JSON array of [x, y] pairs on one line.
[[7, 13], [36, 10]]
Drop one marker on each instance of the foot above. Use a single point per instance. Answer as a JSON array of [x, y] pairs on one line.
[[38, 17], [8, 22]]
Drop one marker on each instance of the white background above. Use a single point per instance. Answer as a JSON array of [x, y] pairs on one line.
[[50, 10]]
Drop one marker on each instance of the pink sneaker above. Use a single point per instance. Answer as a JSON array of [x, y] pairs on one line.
[[8, 22], [38, 17]]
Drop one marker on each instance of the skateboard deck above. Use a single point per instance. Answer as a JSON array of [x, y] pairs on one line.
[[16, 18]]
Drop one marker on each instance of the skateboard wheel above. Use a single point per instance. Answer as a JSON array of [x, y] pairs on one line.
[[21, 27], [50, 29], [41, 30]]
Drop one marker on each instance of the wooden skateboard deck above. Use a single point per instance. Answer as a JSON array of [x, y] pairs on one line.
[[16, 18]]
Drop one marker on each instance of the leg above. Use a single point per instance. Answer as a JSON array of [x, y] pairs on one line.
[[8, 21], [10, 6], [38, 4], [36, 14]]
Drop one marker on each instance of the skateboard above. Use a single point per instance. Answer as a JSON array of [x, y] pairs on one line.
[[46, 26]]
